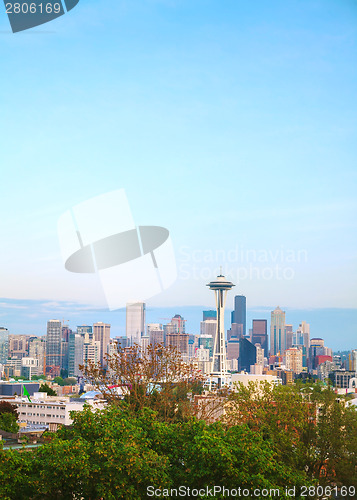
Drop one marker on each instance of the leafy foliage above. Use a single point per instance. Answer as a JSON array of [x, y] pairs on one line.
[[66, 381], [154, 378], [307, 425], [48, 389], [7, 407], [8, 417], [112, 454], [8, 422]]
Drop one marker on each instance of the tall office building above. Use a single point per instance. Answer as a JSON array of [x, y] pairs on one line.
[[277, 332], [260, 334], [206, 342], [289, 334], [293, 359], [179, 341], [301, 339], [18, 346], [247, 355], [233, 348], [239, 315], [4, 345], [75, 354], [135, 322], [53, 347], [236, 330], [209, 315], [91, 352], [37, 350], [352, 358], [302, 335], [64, 356], [101, 334], [155, 333], [317, 348], [66, 331], [86, 331], [209, 327], [179, 323]]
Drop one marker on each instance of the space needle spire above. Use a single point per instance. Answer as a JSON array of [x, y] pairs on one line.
[[219, 371]]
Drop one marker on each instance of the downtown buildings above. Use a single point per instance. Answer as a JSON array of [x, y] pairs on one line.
[[292, 352]]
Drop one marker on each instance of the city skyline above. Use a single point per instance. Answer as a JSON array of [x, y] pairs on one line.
[[30, 317]]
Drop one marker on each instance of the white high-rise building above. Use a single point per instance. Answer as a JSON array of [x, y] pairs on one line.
[[135, 322], [277, 332], [4, 344], [91, 351], [37, 350], [302, 335], [155, 332], [75, 354], [209, 327], [54, 347], [101, 334]]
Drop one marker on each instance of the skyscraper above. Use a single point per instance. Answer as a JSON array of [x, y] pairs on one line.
[[289, 334], [208, 327], [4, 344], [302, 339], [178, 341], [293, 359], [277, 332], [86, 331], [155, 333], [53, 347], [135, 322], [101, 334], [209, 315], [239, 315], [260, 334], [37, 350], [247, 355], [302, 336], [75, 354], [179, 323]]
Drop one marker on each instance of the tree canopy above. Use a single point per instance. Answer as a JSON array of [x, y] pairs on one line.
[[46, 388], [126, 455]]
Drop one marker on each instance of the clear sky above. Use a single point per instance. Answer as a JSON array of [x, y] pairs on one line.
[[232, 123]]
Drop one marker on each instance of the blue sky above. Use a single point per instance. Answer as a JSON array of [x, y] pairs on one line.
[[231, 123]]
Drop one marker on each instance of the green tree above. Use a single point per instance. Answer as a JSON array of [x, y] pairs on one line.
[[8, 422], [59, 381], [8, 417], [114, 454], [155, 378], [70, 381], [48, 389], [7, 407], [309, 428]]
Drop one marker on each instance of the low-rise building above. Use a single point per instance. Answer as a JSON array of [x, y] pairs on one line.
[[50, 412]]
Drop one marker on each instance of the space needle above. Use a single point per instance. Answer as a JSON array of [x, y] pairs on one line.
[[219, 372]]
